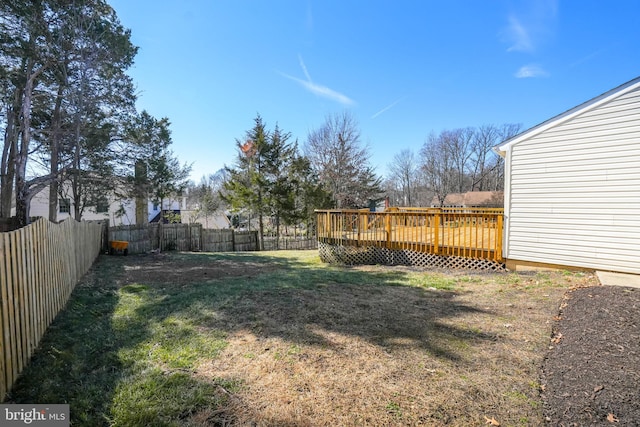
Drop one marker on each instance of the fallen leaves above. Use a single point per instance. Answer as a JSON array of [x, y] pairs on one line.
[[596, 390], [491, 421], [556, 339], [611, 418]]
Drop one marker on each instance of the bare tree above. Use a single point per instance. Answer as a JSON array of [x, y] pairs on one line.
[[438, 165], [487, 169], [458, 143], [460, 160], [403, 176], [482, 158], [342, 162]]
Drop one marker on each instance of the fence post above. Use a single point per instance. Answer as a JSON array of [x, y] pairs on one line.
[[233, 240]]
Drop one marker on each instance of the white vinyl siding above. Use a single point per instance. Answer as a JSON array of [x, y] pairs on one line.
[[574, 190]]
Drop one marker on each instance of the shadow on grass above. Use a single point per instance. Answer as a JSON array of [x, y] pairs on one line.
[[297, 299], [124, 350], [90, 358]]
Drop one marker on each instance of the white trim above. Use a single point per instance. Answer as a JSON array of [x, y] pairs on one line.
[[507, 204]]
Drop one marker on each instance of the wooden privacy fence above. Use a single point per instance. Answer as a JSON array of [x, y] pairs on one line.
[[271, 243], [183, 237], [39, 266], [460, 232]]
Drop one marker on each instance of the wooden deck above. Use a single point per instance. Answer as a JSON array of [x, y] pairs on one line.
[[471, 233]]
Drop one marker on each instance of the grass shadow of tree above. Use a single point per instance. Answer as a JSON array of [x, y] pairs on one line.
[[125, 346], [296, 298], [85, 360]]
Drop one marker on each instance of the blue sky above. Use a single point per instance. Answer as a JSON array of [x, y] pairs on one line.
[[402, 68]]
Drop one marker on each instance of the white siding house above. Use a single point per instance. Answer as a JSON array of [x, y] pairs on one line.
[[118, 212], [572, 186]]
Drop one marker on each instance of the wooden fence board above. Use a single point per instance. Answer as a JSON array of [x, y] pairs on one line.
[[5, 344], [39, 267], [183, 237], [18, 294]]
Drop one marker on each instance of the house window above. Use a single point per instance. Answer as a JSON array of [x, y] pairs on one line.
[[65, 205], [102, 206], [156, 206]]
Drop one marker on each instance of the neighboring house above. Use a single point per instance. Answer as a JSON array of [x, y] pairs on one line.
[[471, 199], [216, 220], [572, 187], [118, 212], [170, 206]]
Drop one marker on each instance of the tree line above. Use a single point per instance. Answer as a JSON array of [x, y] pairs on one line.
[[68, 111], [452, 161], [69, 122], [274, 179]]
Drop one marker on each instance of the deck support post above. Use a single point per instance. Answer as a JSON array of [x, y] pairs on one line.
[[436, 233], [388, 228], [499, 236]]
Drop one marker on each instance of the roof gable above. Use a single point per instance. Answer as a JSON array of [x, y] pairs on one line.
[[569, 114]]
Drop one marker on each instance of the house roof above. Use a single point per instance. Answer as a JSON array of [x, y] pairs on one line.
[[472, 198], [567, 115]]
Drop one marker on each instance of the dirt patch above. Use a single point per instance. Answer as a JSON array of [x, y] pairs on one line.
[[165, 268], [592, 371]]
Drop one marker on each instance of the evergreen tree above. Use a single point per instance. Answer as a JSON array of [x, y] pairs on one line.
[[248, 186], [270, 179], [62, 66], [162, 174]]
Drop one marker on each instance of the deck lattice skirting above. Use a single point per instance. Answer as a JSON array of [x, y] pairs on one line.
[[371, 255]]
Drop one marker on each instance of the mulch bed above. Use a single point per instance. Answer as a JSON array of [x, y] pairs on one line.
[[591, 375]]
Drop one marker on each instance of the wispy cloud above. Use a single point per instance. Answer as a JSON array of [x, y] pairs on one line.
[[518, 36], [322, 91], [304, 68], [586, 58], [388, 107], [317, 89], [531, 70], [528, 29]]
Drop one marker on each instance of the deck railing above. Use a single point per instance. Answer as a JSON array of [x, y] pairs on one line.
[[464, 232]]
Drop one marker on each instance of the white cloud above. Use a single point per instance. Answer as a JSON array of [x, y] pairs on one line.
[[317, 89], [304, 68], [322, 91], [533, 25], [388, 107], [531, 70], [518, 36], [587, 58]]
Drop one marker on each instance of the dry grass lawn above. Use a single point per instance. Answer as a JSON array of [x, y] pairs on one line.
[[308, 344], [433, 348]]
